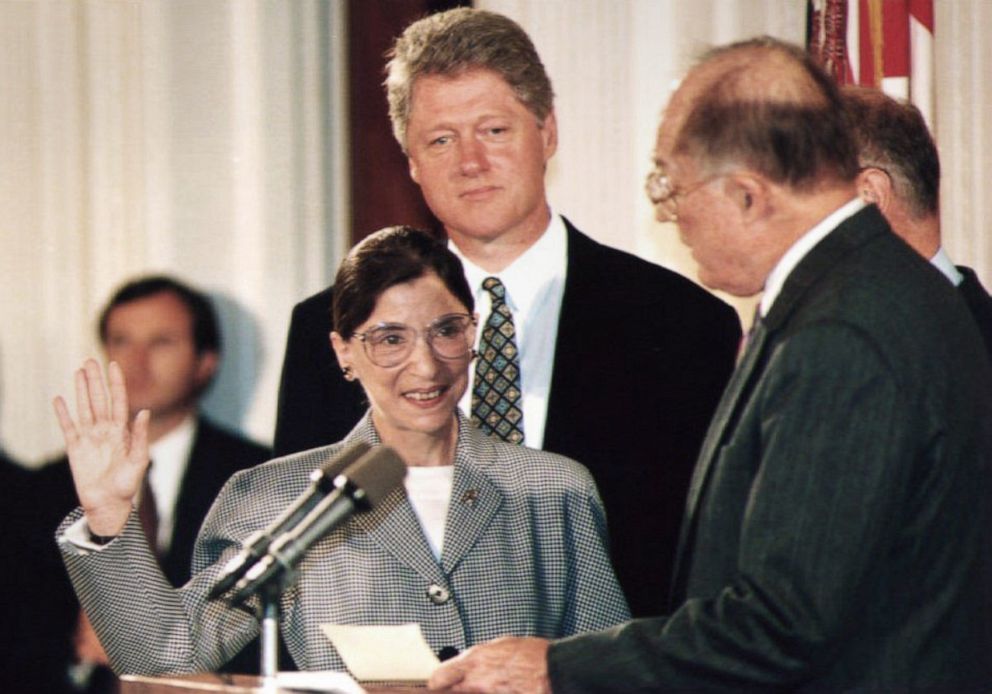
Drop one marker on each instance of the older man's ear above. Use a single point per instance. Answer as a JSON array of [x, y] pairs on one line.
[[875, 186], [750, 193]]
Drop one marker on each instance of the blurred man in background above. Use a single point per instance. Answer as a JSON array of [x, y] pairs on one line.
[[166, 338], [900, 172]]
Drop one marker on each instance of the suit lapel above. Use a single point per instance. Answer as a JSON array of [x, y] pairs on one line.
[[392, 523], [474, 502], [577, 308], [733, 396], [849, 235], [394, 526], [196, 494]]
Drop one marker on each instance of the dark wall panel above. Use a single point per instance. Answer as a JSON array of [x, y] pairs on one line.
[[382, 192]]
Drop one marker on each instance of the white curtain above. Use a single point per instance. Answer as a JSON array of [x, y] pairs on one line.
[[205, 138], [964, 130], [198, 138], [613, 63]]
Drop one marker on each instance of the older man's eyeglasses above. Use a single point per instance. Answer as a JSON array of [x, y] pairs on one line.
[[449, 337], [665, 195]]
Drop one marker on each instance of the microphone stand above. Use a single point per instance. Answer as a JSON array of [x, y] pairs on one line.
[[269, 624], [370, 479], [270, 594]]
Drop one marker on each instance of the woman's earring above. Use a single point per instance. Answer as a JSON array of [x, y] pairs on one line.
[[473, 354], [349, 375]]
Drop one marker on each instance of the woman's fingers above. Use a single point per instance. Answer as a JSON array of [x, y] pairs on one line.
[[118, 394], [83, 409], [97, 390], [69, 433], [139, 440]]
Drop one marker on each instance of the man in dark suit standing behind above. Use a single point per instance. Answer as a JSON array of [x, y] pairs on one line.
[[900, 172], [166, 338], [837, 530], [614, 362]]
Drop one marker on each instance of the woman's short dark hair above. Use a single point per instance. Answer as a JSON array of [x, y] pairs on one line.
[[388, 257]]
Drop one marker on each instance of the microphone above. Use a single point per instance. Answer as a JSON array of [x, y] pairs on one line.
[[257, 544], [359, 488]]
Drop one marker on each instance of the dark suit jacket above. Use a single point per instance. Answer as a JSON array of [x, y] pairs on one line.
[[29, 590], [837, 530], [979, 303], [215, 456], [642, 356]]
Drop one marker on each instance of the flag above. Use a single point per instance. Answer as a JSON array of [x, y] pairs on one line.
[[887, 44]]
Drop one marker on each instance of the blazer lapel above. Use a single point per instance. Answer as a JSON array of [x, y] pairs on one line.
[[474, 502], [583, 299], [846, 238], [849, 235], [732, 397], [394, 525]]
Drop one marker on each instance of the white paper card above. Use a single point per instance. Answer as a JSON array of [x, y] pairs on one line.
[[394, 653], [318, 681]]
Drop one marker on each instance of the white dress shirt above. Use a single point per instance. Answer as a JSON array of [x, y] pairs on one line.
[[429, 491], [803, 245], [943, 262], [535, 283]]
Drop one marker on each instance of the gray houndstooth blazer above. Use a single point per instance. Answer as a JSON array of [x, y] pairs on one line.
[[524, 554]]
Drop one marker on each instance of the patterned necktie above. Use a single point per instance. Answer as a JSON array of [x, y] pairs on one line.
[[496, 397]]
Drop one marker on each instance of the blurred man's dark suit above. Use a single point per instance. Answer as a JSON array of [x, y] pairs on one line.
[[641, 358]]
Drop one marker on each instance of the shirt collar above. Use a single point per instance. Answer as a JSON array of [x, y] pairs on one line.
[[803, 245], [530, 273], [942, 262], [172, 450]]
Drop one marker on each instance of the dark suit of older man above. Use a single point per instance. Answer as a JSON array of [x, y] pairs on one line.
[[851, 417], [979, 303]]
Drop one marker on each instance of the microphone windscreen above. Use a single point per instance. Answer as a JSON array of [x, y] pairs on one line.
[[377, 473], [325, 474]]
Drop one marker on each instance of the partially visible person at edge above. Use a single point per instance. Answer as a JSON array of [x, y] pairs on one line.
[[837, 533], [166, 338], [29, 594], [900, 172], [621, 362], [485, 538]]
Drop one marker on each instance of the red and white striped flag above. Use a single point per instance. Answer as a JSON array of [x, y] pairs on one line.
[[878, 43]]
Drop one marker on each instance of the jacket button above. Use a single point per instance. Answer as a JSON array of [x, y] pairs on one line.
[[438, 594], [447, 653]]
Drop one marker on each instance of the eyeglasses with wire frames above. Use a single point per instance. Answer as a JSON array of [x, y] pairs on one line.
[[449, 337], [664, 195]]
